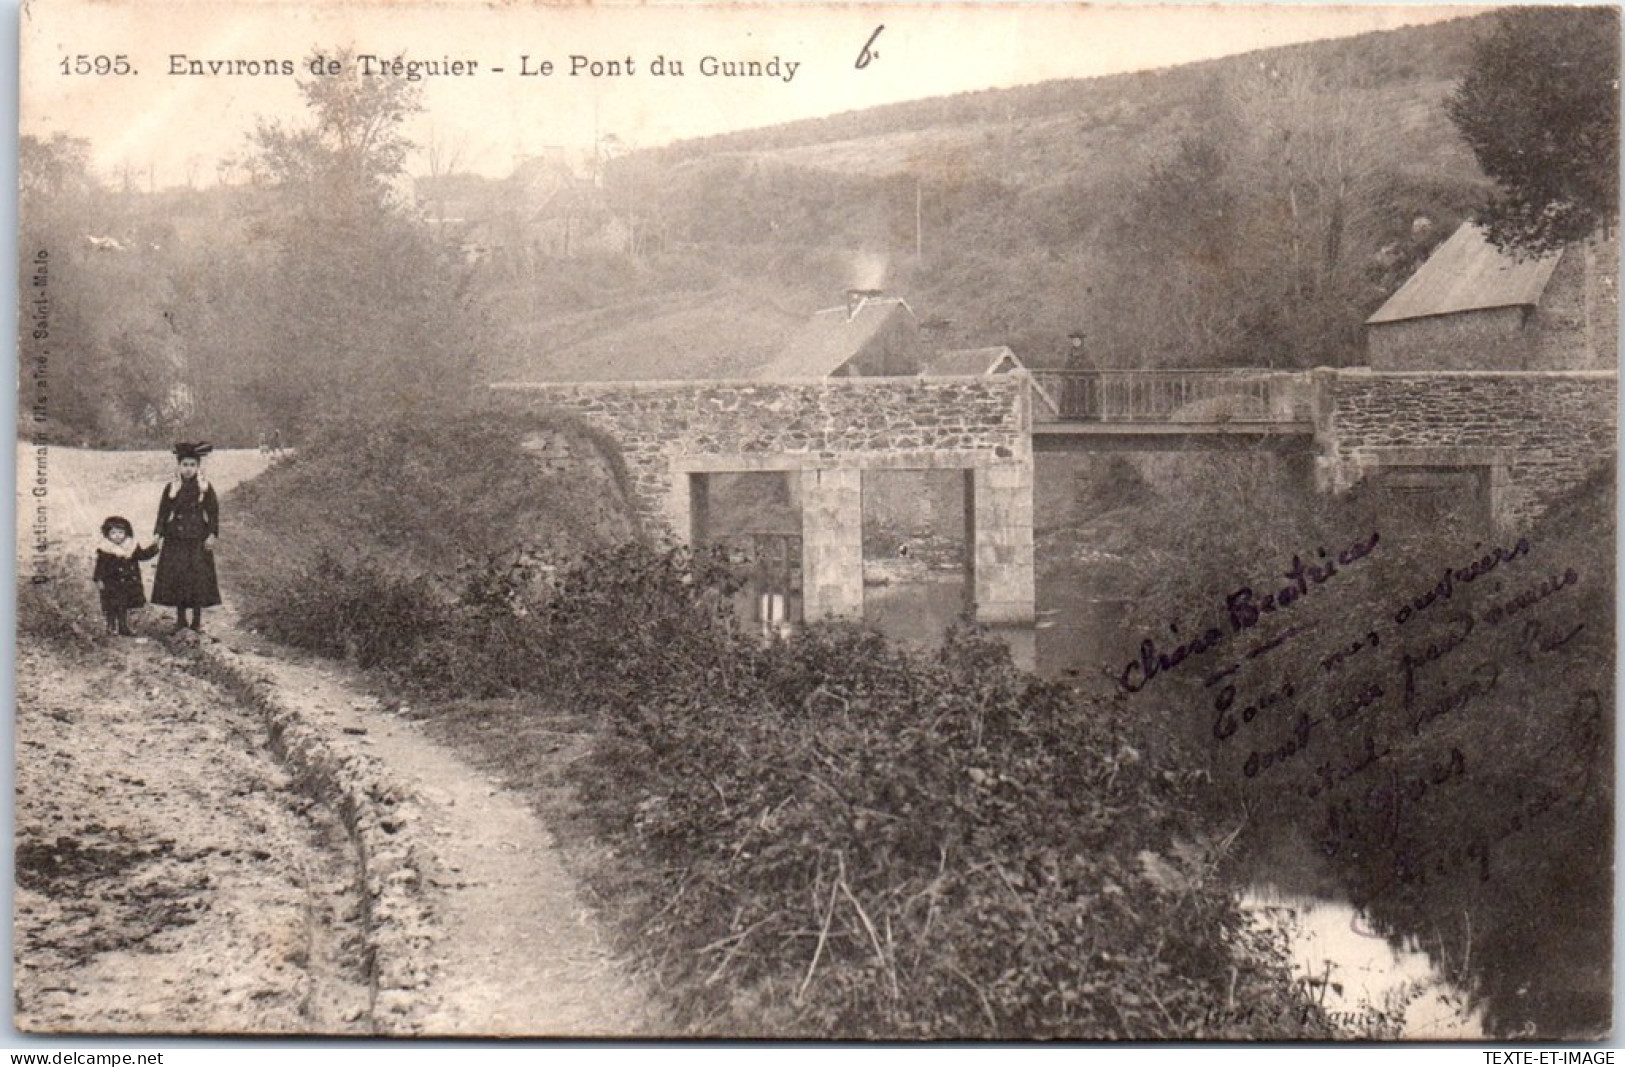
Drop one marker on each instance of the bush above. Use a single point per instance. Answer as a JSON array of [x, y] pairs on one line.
[[839, 839], [354, 611], [627, 625], [829, 837], [439, 496], [57, 603]]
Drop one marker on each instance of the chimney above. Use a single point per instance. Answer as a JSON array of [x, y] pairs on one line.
[[855, 299]]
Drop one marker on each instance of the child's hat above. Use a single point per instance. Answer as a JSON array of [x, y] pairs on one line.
[[192, 450], [117, 522]]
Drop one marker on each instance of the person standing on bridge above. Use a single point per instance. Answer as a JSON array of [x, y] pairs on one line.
[[188, 527]]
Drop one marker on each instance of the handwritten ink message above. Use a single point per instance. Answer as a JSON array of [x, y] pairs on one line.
[[1360, 699], [1244, 609]]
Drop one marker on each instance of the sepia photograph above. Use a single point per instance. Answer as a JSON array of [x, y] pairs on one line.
[[809, 522]]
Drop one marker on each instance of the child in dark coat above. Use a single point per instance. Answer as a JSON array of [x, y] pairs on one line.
[[118, 573]]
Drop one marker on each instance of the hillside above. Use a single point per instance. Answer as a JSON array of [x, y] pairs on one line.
[[719, 332], [1240, 212], [1249, 210], [1439, 51]]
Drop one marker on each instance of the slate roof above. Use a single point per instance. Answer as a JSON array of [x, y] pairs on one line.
[[1467, 273], [830, 338]]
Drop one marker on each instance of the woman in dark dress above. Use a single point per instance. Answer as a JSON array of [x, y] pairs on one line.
[[187, 528]]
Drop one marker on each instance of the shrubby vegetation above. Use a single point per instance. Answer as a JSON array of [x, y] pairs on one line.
[[55, 603], [841, 839], [824, 836], [416, 546]]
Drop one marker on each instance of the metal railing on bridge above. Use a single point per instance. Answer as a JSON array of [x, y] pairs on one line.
[[1190, 396]]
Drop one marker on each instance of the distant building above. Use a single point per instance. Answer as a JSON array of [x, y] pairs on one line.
[[1471, 306], [576, 219], [458, 224], [871, 335], [540, 211], [970, 362]]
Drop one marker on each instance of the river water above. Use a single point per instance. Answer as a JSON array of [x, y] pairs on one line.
[[1370, 987]]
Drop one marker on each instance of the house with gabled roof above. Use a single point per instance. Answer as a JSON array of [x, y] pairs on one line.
[[871, 335], [967, 362], [1471, 306], [974, 362]]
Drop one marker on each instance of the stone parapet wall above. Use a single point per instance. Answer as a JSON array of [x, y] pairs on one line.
[[666, 428], [1535, 433]]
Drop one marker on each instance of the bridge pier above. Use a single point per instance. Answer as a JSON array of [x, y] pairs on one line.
[[832, 543], [1000, 523], [1001, 509], [825, 436]]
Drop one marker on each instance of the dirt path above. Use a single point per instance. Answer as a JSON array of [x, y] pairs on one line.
[[169, 877], [83, 486], [173, 877], [516, 952]]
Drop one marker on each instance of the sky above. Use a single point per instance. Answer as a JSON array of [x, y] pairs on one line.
[[166, 128]]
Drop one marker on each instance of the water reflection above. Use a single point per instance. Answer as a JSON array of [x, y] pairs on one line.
[[1082, 638], [1368, 986], [1076, 634], [916, 614]]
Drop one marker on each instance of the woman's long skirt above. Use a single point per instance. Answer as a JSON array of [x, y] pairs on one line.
[[185, 577]]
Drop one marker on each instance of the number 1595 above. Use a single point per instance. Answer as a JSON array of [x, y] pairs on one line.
[[83, 64]]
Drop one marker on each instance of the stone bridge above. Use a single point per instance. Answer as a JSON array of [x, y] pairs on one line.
[[1521, 437], [828, 433]]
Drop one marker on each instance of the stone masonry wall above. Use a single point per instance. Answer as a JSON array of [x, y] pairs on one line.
[[1468, 340], [1535, 433], [1576, 326], [665, 428], [831, 430], [1559, 328]]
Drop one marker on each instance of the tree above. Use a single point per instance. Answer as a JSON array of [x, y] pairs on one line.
[[351, 154], [1311, 142], [366, 307], [1540, 109], [1176, 286], [49, 172], [113, 364]]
